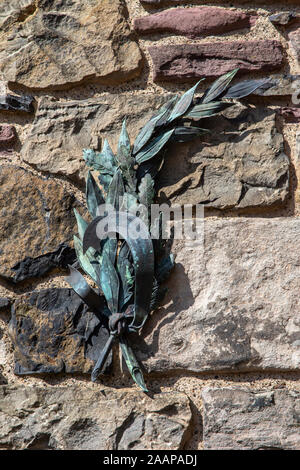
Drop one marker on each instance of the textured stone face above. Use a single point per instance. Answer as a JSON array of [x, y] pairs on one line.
[[7, 137], [73, 418], [60, 43], [295, 46], [290, 114], [35, 216], [242, 163], [239, 419], [15, 11], [53, 331], [16, 103], [233, 304], [194, 22], [190, 61], [7, 134], [62, 129], [39, 266]]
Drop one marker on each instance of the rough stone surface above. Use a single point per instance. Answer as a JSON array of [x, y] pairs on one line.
[[194, 22], [239, 419], [290, 114], [36, 215], [37, 267], [53, 331], [7, 134], [295, 46], [16, 103], [183, 62], [16, 11], [77, 419], [60, 43], [283, 18], [61, 129], [233, 302], [242, 164], [7, 137]]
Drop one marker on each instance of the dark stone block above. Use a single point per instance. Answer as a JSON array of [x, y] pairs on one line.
[[22, 103], [5, 304], [37, 224], [53, 331], [37, 267]]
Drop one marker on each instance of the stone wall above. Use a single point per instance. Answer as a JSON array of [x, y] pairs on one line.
[[222, 354]]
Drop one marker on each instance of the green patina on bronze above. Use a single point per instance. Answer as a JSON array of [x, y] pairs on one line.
[[129, 272]]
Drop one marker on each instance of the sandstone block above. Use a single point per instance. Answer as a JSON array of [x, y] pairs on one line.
[[185, 62], [36, 216], [233, 301], [91, 419], [194, 22], [59, 44], [240, 419]]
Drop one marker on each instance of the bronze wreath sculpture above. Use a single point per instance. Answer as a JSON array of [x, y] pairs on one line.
[[129, 272]]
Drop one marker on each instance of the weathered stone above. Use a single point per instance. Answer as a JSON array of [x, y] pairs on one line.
[[16, 11], [62, 129], [240, 419], [294, 38], [280, 85], [7, 137], [290, 114], [242, 164], [37, 267], [81, 419], [53, 331], [283, 18], [183, 62], [36, 215], [17, 103], [61, 151], [59, 44], [194, 22], [233, 302], [7, 134]]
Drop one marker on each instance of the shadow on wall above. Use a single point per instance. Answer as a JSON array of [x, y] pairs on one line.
[[178, 299]]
